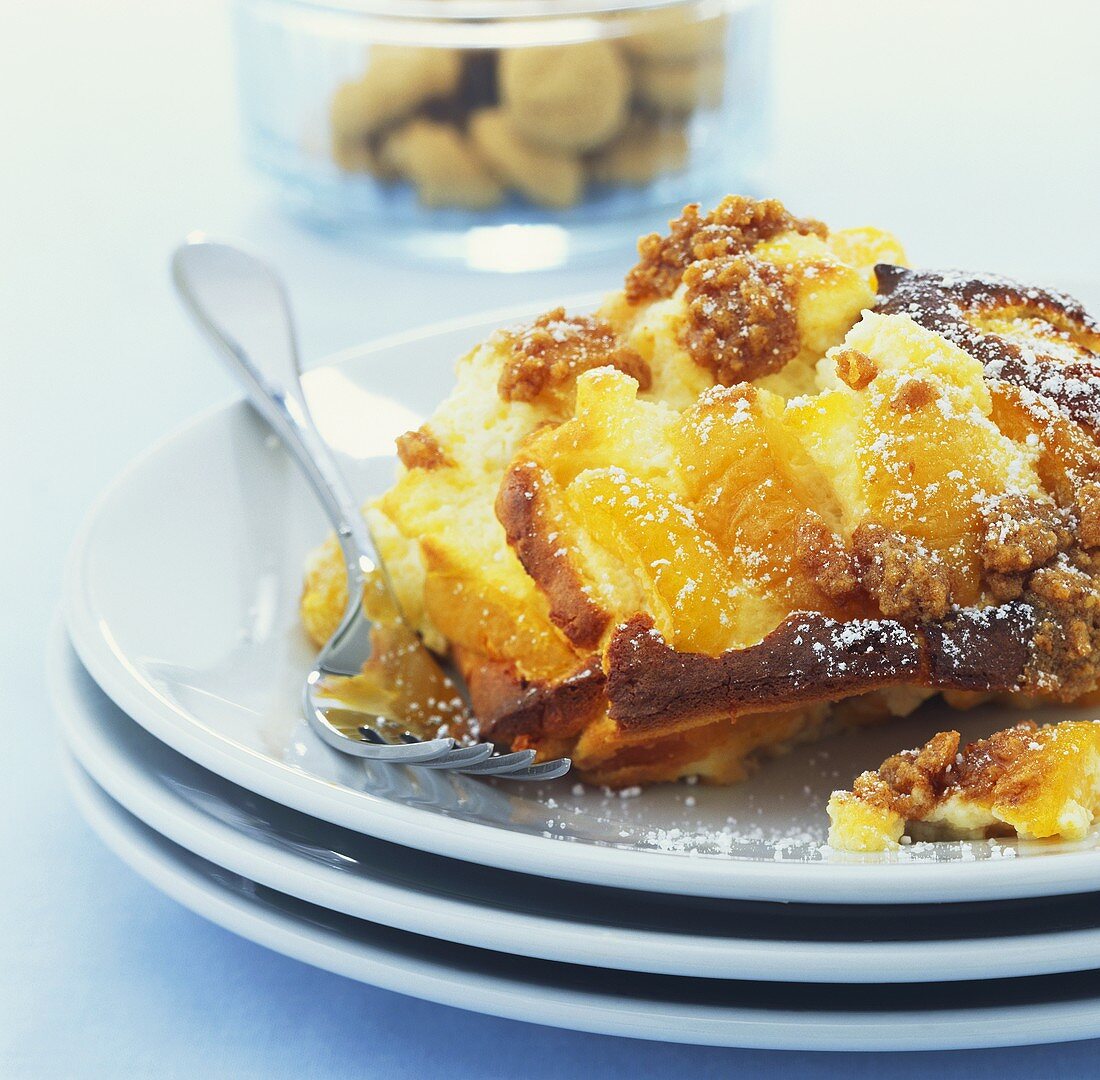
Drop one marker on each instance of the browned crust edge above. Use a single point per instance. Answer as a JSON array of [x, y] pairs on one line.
[[508, 706], [810, 657], [520, 508], [941, 303]]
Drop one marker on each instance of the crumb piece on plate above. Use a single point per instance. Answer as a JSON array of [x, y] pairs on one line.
[[1029, 781]]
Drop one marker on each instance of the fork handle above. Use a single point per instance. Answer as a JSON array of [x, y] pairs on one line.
[[241, 304]]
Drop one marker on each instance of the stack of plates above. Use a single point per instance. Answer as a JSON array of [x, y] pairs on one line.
[[683, 913]]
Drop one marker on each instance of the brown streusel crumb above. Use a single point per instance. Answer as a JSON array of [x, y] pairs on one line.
[[741, 321], [420, 450], [900, 574], [556, 348], [1020, 533], [822, 554], [1004, 587], [734, 227], [1088, 519], [1067, 641], [909, 783], [912, 782]]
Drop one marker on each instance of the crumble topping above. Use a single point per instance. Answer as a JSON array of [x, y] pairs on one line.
[[734, 227], [741, 321], [556, 348], [1020, 533], [420, 449], [822, 554], [1087, 502], [912, 395], [909, 783], [1067, 639], [902, 576]]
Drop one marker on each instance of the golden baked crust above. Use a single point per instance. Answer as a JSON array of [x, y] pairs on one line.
[[749, 498], [1026, 780]]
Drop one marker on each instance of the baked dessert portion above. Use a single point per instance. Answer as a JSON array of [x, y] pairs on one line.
[[1028, 781], [750, 498]]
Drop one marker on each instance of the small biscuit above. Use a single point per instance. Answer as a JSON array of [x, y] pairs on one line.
[[672, 34], [358, 156], [641, 152], [682, 86], [565, 97], [443, 167], [398, 80], [546, 177]]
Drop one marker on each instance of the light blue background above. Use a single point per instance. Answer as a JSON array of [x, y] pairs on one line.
[[118, 137]]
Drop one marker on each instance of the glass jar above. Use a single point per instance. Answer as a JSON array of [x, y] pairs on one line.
[[507, 134]]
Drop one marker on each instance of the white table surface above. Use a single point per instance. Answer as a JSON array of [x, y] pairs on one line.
[[969, 129]]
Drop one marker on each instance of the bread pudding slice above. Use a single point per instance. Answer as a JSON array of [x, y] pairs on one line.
[[749, 499], [1028, 781]]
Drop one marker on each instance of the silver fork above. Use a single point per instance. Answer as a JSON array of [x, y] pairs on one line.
[[241, 305]]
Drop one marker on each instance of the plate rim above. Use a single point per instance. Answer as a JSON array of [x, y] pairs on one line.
[[668, 872], [150, 856], [529, 933]]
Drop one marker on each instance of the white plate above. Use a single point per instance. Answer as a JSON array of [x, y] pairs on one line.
[[779, 1016], [514, 913], [181, 600]]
